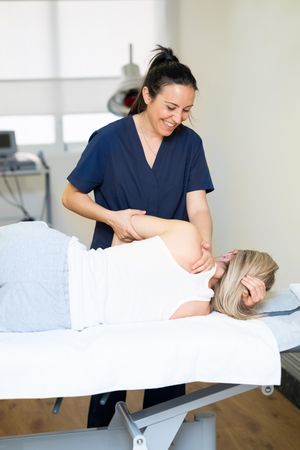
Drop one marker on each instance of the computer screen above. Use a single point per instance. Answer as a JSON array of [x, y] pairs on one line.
[[8, 145]]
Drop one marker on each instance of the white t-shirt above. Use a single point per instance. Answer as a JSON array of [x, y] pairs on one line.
[[135, 282], [87, 285]]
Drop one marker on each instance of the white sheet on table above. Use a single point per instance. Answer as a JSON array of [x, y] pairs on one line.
[[213, 348]]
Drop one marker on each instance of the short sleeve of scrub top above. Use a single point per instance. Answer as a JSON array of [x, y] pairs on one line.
[[113, 165]]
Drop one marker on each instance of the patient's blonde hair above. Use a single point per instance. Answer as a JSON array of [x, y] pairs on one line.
[[229, 289]]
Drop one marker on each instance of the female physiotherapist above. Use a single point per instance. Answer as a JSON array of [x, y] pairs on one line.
[[147, 162]]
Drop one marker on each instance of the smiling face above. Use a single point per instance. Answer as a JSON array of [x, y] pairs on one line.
[[169, 108]]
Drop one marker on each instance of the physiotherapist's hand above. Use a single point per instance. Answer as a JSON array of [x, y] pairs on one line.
[[121, 224], [206, 261], [254, 292]]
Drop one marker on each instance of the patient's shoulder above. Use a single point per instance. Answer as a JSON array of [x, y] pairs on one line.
[[184, 242]]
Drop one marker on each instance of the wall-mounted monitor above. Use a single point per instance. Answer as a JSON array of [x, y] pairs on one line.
[[8, 145]]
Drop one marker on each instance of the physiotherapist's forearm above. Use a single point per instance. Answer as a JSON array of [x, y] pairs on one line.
[[82, 204], [203, 222], [199, 214]]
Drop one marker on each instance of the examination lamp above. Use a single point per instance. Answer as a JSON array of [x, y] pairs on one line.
[[122, 100]]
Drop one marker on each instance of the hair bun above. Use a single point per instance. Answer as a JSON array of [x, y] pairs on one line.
[[163, 55], [168, 53]]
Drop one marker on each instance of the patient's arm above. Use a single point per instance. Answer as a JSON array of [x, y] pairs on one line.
[[192, 308], [182, 238], [148, 227], [151, 226]]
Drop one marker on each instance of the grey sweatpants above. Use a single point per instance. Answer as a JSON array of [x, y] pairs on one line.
[[33, 278]]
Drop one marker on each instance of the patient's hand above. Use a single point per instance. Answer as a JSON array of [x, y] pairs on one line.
[[222, 262], [226, 257], [255, 291]]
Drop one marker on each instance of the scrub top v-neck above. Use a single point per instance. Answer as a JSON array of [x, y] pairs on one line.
[[114, 166]]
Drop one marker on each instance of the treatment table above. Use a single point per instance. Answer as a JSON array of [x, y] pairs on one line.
[[234, 356]]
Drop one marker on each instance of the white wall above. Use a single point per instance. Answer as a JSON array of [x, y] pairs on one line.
[[63, 219], [245, 56]]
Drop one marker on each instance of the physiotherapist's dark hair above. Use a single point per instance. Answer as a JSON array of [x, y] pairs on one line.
[[164, 69]]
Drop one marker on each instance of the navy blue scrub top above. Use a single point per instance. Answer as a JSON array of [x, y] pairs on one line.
[[113, 165]]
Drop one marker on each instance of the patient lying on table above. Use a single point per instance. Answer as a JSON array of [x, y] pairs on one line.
[[51, 281]]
